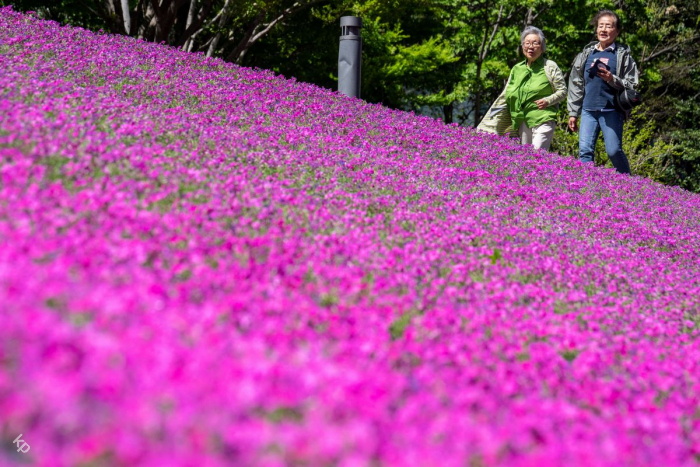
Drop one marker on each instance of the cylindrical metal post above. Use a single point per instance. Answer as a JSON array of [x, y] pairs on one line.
[[350, 56]]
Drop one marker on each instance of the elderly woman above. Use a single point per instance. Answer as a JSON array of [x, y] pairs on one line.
[[528, 104], [603, 68], [534, 89]]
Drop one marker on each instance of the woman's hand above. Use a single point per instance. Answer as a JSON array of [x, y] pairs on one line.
[[572, 124], [541, 104]]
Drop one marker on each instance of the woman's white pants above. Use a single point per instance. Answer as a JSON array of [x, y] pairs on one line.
[[539, 136]]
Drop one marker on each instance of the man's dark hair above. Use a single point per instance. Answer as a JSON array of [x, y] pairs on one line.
[[601, 13]]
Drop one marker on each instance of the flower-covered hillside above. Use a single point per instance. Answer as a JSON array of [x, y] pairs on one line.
[[207, 265]]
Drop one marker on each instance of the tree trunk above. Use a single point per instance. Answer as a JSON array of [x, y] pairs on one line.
[[447, 110], [222, 23], [108, 11], [126, 14], [195, 22], [237, 54], [477, 95], [109, 5], [258, 29], [167, 18], [483, 53], [147, 30], [191, 13]]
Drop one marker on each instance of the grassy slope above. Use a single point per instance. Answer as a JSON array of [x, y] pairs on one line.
[[205, 264]]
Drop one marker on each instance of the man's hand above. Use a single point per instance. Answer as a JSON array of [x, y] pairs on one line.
[[605, 75], [572, 124], [541, 104]]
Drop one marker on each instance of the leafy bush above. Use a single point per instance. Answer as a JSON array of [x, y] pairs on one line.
[[648, 155]]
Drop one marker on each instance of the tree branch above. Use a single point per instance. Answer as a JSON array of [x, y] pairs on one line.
[[485, 47], [92, 10], [288, 12], [255, 34], [137, 27], [197, 26], [531, 18], [167, 20], [246, 37], [156, 8], [670, 48], [110, 7], [222, 22], [107, 11]]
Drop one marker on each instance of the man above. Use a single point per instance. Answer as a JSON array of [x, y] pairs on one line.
[[599, 71]]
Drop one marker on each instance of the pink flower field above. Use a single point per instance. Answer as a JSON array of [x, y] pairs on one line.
[[208, 265]]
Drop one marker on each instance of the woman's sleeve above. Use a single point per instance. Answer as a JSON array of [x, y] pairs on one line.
[[559, 86]]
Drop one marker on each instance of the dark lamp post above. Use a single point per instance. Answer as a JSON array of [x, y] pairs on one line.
[[350, 56]]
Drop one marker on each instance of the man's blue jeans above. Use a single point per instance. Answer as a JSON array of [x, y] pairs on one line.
[[592, 121]]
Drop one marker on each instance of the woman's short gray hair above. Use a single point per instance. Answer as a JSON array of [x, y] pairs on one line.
[[533, 30]]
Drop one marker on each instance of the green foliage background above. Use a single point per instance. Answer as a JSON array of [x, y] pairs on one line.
[[450, 59]]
